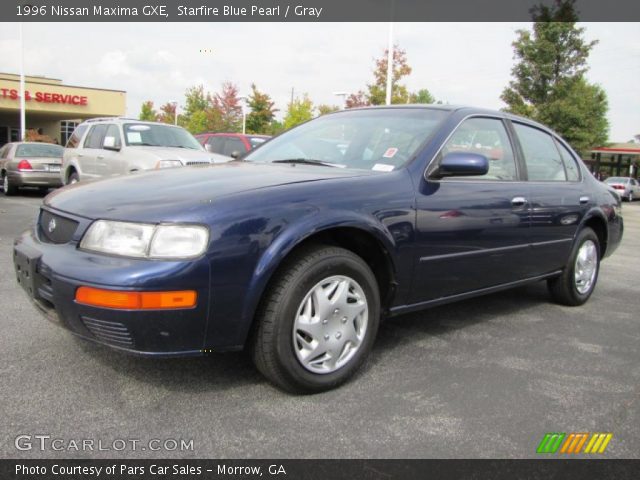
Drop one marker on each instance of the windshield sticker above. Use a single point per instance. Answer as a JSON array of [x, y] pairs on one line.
[[134, 137], [390, 153], [139, 128], [382, 167]]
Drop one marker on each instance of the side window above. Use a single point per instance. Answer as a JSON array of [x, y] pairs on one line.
[[233, 145], [570, 165], [488, 137], [540, 154], [4, 151], [74, 139], [95, 136], [112, 132], [217, 144]]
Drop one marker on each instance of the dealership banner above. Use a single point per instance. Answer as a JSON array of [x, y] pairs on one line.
[[303, 10], [319, 469]]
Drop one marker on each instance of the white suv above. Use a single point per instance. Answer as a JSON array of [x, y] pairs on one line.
[[105, 147]]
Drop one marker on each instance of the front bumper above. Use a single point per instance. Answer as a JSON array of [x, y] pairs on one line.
[[35, 179], [51, 273]]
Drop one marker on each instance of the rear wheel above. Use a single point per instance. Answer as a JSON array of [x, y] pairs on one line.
[[7, 186], [317, 321], [578, 280]]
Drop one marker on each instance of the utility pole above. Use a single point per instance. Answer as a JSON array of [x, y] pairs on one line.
[[389, 64]]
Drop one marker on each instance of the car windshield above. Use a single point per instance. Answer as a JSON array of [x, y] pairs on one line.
[[370, 139], [39, 150], [616, 180], [144, 134]]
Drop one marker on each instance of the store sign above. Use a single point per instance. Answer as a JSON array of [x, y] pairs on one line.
[[44, 97]]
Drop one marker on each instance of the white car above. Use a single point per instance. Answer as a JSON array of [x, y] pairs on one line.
[[107, 147], [628, 188]]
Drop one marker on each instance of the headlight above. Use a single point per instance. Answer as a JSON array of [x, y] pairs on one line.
[[168, 163], [146, 241]]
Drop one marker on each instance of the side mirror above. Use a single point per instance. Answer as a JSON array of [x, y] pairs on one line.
[[209, 148], [109, 143], [462, 164], [236, 154]]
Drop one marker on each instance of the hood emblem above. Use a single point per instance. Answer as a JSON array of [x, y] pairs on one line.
[[52, 225]]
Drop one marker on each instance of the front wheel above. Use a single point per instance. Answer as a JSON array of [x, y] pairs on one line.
[[318, 320], [630, 196], [578, 280], [73, 178]]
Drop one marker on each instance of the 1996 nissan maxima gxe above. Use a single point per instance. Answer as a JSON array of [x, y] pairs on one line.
[[297, 251]]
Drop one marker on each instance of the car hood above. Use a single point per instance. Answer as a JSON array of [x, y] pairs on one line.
[[152, 194], [183, 154]]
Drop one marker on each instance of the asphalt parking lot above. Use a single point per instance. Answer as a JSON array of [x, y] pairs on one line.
[[484, 378]]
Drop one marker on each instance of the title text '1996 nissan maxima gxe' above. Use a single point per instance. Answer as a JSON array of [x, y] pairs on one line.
[[297, 251]]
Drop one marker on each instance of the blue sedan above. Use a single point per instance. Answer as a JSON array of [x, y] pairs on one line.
[[297, 251]]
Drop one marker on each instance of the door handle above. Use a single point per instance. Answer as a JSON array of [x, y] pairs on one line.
[[584, 200], [517, 202]]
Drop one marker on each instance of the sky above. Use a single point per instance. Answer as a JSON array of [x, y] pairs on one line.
[[459, 63]]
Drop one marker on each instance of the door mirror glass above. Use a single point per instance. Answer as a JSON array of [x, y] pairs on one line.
[[462, 164]]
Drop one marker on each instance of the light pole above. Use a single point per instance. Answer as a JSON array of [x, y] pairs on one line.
[[243, 99], [175, 111], [344, 98], [23, 127], [389, 64]]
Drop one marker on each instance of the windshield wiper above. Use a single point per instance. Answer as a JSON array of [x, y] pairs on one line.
[[308, 161]]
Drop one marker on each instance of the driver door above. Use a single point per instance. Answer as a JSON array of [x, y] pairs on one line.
[[472, 232]]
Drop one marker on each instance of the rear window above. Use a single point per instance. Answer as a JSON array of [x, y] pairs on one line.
[[39, 150], [74, 139]]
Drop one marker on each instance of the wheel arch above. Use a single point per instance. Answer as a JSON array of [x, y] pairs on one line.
[[367, 239], [596, 220]]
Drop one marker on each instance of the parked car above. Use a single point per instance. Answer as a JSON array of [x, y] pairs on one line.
[[627, 187], [30, 164], [299, 250], [230, 144], [106, 147]]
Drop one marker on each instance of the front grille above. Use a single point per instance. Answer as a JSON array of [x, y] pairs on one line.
[[56, 228], [198, 163], [112, 333]]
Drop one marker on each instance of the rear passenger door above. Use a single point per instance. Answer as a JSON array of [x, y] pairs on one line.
[[558, 197], [91, 149]]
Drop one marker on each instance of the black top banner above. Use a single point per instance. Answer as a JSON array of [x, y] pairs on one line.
[[303, 10]]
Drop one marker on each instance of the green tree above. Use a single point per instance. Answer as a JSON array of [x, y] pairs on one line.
[[422, 96], [194, 116], [262, 111], [298, 111], [324, 109], [549, 83], [147, 112], [377, 91]]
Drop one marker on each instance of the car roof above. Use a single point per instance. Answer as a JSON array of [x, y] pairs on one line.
[[99, 120], [463, 109]]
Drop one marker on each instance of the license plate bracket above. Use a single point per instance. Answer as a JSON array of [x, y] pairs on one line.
[[25, 261]]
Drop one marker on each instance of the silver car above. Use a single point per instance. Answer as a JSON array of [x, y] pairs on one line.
[[30, 164], [627, 187], [108, 147]]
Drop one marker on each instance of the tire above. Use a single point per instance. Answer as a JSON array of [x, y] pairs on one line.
[[8, 187], [630, 197], [280, 340], [571, 289], [73, 178]]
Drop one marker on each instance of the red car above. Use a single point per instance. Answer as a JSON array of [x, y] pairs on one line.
[[230, 143]]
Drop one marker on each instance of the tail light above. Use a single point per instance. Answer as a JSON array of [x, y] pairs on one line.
[[24, 165], [618, 187]]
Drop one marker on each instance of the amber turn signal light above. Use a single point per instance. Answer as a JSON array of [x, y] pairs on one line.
[[124, 300]]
